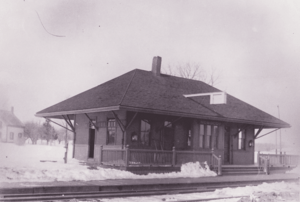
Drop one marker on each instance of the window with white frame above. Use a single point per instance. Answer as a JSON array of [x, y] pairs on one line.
[[208, 137], [216, 134], [242, 140], [206, 132], [201, 136], [111, 131]]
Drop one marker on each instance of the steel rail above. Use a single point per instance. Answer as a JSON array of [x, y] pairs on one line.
[[111, 194], [127, 193], [117, 195]]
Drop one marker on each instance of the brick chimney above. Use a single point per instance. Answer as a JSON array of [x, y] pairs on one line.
[[12, 110], [156, 65]]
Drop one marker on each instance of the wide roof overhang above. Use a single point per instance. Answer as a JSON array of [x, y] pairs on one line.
[[71, 113]]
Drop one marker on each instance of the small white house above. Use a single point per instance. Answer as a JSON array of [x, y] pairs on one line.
[[11, 128]]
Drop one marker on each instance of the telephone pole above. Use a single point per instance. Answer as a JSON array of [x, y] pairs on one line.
[[279, 131]]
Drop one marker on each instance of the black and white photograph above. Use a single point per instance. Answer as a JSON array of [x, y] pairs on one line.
[[148, 100]]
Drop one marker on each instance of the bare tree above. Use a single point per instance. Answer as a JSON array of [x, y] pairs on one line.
[[33, 131], [195, 72], [49, 132]]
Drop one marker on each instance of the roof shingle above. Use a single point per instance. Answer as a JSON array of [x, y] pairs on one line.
[[141, 89]]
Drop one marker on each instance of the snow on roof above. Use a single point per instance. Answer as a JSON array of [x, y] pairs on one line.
[[10, 118]]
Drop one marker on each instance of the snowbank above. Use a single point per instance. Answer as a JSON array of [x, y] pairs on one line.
[[33, 163], [295, 170]]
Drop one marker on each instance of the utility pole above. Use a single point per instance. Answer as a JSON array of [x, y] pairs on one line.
[[279, 131], [276, 142], [66, 144]]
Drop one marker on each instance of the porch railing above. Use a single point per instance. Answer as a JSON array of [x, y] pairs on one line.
[[112, 156], [149, 157], [142, 157], [264, 163], [280, 159], [217, 163]]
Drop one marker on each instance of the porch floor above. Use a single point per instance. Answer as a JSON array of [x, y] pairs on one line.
[[234, 166]]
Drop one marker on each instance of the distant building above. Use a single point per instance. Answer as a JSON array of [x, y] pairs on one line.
[[11, 128]]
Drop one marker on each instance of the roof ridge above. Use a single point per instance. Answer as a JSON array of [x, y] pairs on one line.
[[127, 87]]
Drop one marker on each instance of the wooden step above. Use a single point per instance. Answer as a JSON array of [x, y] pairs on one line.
[[242, 170]]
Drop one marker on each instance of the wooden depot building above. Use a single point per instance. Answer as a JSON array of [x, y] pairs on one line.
[[146, 118]]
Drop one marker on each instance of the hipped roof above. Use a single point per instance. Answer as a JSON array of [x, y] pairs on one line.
[[140, 90]]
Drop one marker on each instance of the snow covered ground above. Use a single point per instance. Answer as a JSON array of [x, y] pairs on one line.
[[32, 163]]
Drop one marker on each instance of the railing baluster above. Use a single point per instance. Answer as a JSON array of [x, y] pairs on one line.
[[173, 157], [101, 154]]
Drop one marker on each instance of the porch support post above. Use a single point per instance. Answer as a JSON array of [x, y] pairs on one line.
[[258, 158], [220, 165], [173, 157], [267, 165], [101, 154], [92, 121], [127, 154], [74, 138], [121, 126]]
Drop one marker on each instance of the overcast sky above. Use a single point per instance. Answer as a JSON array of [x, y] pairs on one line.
[[52, 50]]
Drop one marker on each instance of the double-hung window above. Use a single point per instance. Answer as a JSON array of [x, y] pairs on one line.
[[206, 132], [201, 136], [208, 137], [216, 135], [242, 140], [111, 131]]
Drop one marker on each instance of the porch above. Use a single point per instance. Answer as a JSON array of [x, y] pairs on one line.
[[142, 161], [157, 160], [277, 163]]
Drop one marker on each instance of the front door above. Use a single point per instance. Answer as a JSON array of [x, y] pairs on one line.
[[91, 142], [168, 138], [227, 146]]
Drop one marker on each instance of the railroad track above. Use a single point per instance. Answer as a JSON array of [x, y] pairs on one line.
[[114, 194], [65, 196]]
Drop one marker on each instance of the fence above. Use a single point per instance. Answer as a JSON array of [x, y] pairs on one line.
[[279, 159], [142, 157]]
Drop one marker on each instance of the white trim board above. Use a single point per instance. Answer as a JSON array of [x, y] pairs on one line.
[[215, 98]]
